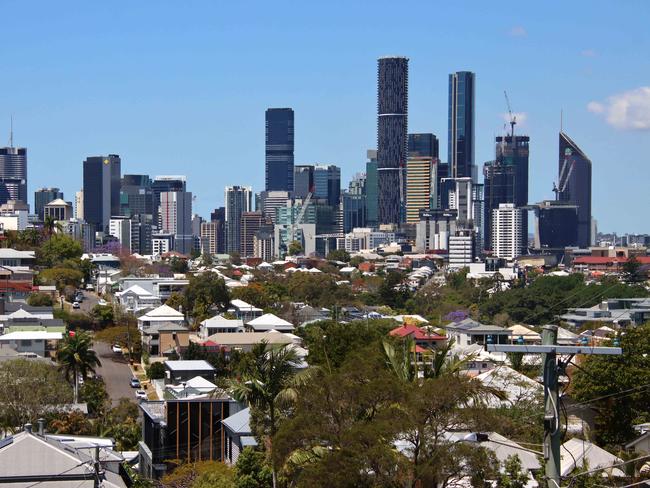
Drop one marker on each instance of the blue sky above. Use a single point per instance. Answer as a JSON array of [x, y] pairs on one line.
[[181, 87]]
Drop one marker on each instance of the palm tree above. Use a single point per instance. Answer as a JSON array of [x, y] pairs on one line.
[[76, 357], [50, 225], [267, 382]]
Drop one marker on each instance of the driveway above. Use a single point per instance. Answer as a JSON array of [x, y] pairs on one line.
[[116, 373]]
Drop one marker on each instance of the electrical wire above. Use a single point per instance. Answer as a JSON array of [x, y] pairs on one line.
[[623, 463]]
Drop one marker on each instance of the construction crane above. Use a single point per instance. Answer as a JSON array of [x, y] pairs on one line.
[[513, 118], [296, 222]]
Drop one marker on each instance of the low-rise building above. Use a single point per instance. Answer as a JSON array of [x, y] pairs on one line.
[[245, 342], [220, 324], [165, 338], [160, 315], [268, 322], [176, 372], [238, 435], [135, 299], [469, 331]]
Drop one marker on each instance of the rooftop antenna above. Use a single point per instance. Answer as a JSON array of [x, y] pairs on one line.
[[11, 132]]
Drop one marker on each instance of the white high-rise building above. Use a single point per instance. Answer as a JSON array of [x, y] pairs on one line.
[[176, 218], [507, 228], [79, 205]]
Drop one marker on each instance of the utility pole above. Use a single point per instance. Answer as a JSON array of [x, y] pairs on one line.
[[553, 368]]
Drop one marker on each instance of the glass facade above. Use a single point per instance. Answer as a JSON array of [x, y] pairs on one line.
[[303, 180], [422, 146], [162, 184], [392, 127], [556, 225], [372, 190], [574, 185], [13, 174], [461, 124], [279, 149], [506, 181], [327, 183], [101, 187], [42, 197]]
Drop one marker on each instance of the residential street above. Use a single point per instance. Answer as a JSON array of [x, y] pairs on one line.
[[116, 373]]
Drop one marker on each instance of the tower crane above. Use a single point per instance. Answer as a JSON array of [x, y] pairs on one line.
[[511, 116]]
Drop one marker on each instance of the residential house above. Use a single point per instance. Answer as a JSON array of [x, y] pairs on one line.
[[422, 338], [517, 388], [529, 336], [469, 331], [245, 342], [640, 445], [176, 372], [238, 435], [189, 429], [619, 312], [38, 319], [159, 315], [220, 324], [578, 453], [197, 387], [136, 299], [160, 287], [165, 338], [244, 311], [29, 459], [268, 322], [42, 343], [12, 257]]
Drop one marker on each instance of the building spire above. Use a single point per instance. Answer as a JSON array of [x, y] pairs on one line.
[[11, 132]]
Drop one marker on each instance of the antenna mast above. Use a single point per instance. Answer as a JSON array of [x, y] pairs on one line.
[[11, 132]]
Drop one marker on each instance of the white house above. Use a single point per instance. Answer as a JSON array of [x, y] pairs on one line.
[[468, 331], [269, 322], [136, 298], [164, 313], [244, 311], [219, 324], [32, 341]]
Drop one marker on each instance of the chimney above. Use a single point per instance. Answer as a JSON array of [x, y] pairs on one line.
[[28, 428], [41, 426]]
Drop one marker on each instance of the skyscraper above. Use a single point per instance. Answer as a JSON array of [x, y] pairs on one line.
[[303, 180], [574, 185], [461, 125], [422, 178], [327, 183], [251, 222], [279, 149], [238, 199], [161, 184], [506, 181], [372, 189], [13, 174], [422, 146], [392, 126], [101, 177], [136, 195], [507, 229], [176, 218], [42, 197]]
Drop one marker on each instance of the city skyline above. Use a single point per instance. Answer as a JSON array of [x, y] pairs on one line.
[[221, 140]]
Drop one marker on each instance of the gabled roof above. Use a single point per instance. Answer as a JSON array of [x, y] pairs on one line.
[[164, 311], [21, 314], [199, 382], [58, 202], [517, 387], [221, 321], [472, 326], [525, 332], [243, 306], [575, 453], [269, 321], [137, 290], [239, 423], [192, 365], [417, 333]]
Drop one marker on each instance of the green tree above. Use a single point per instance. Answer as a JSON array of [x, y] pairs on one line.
[[513, 476], [178, 265], [50, 226], [295, 248], [633, 271], [235, 258], [175, 301], [61, 277], [39, 300], [102, 315], [28, 390], [204, 292], [71, 423], [156, 371], [252, 470], [122, 423], [339, 255], [265, 384], [76, 358], [609, 377], [202, 474], [94, 393], [57, 249]]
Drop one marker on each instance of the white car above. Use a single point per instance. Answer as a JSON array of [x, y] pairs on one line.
[[141, 394], [102, 302], [76, 305], [117, 348]]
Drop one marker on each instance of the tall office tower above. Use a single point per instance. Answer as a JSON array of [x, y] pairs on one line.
[[422, 146], [176, 218], [434, 229], [238, 200], [120, 228], [161, 184], [461, 125], [574, 185], [218, 217], [353, 204], [13, 173], [392, 122], [506, 181], [101, 190], [136, 195], [303, 180], [270, 201], [372, 190], [279, 149], [42, 197], [209, 236], [556, 225], [507, 227], [327, 183], [251, 222], [79, 205], [465, 196]]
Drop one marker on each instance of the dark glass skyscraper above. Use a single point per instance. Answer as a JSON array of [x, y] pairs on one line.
[[101, 190], [461, 124], [13, 174], [42, 197], [506, 181], [279, 149], [574, 185], [163, 184], [327, 183], [372, 189], [392, 127], [422, 146], [136, 195], [303, 180]]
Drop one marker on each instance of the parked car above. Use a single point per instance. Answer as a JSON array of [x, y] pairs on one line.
[[102, 302], [135, 383], [76, 305], [117, 348], [90, 287], [141, 394]]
